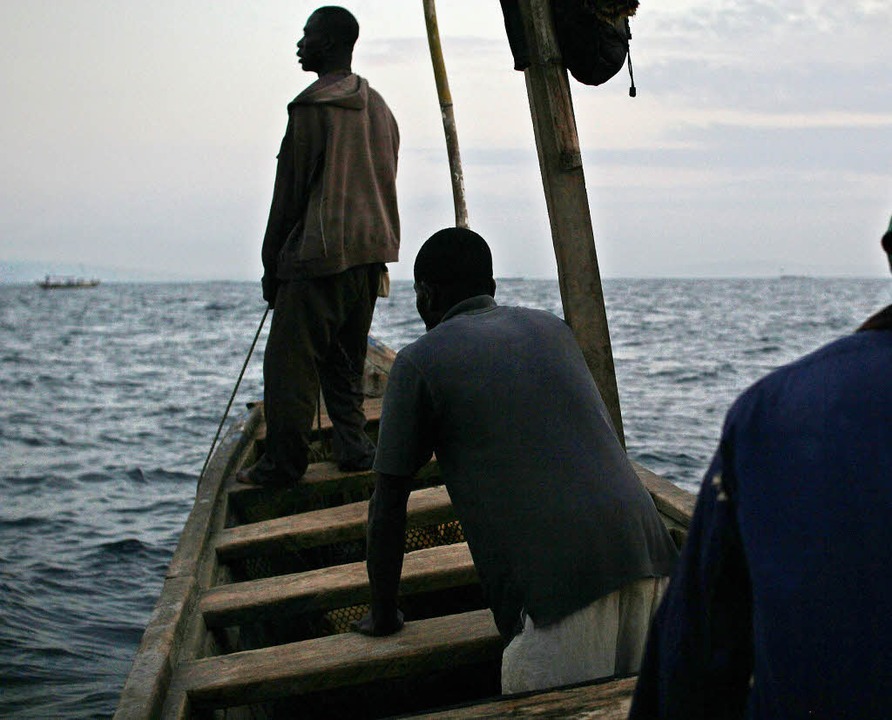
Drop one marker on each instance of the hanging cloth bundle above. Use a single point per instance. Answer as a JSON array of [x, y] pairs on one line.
[[593, 36]]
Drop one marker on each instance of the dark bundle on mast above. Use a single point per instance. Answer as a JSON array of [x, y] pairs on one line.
[[611, 10], [593, 36]]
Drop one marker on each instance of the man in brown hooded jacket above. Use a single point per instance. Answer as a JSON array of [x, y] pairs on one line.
[[333, 223]]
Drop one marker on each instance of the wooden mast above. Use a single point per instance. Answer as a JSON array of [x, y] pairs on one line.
[[455, 171], [560, 162]]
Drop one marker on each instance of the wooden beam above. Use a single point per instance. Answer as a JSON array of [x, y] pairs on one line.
[[322, 485], [147, 682], [254, 503], [378, 361], [671, 500], [602, 700], [429, 506], [339, 586], [371, 408], [560, 162], [420, 648], [168, 633], [446, 111]]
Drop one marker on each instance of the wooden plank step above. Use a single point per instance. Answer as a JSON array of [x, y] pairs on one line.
[[321, 479], [322, 482], [371, 408], [421, 647], [608, 700], [429, 506], [324, 478], [334, 587]]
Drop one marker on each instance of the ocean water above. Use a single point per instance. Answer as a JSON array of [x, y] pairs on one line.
[[109, 399]]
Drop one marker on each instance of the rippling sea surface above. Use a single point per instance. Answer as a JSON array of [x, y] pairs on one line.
[[110, 397]]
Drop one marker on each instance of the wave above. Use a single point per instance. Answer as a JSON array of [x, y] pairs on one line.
[[128, 547], [23, 523], [158, 476], [106, 433]]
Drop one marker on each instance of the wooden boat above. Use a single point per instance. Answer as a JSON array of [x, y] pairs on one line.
[[254, 616], [65, 282]]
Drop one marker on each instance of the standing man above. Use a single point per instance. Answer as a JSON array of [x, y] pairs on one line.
[[568, 545], [332, 225], [780, 606]]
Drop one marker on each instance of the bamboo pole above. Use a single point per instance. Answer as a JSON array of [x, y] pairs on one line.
[[445, 97], [560, 162]]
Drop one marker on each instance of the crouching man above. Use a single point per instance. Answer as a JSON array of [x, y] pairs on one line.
[[568, 545]]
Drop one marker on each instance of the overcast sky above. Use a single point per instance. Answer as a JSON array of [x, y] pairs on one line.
[[143, 134]]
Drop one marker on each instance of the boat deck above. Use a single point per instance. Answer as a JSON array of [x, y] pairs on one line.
[[254, 618]]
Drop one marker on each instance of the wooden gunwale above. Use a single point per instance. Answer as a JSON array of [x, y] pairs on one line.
[[166, 638]]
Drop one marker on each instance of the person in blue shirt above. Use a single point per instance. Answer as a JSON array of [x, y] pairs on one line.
[[780, 605]]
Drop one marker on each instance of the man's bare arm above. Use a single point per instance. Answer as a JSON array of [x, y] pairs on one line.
[[386, 546]]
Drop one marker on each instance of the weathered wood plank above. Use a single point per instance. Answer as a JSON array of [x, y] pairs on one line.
[[371, 407], [339, 660], [169, 634], [605, 701], [194, 537], [328, 588], [563, 179], [322, 527], [322, 483], [146, 685], [670, 499], [378, 361], [322, 480]]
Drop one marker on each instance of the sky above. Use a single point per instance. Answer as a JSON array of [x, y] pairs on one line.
[[142, 136]]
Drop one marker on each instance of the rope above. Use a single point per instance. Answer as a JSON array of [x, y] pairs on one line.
[[633, 91], [232, 397], [319, 421]]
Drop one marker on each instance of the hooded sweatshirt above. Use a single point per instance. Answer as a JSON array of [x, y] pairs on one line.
[[334, 202]]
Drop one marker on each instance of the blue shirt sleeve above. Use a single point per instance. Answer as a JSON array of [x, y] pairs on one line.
[[699, 657]]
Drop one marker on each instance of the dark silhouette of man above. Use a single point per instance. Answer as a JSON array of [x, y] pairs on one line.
[[332, 224], [779, 607], [570, 550]]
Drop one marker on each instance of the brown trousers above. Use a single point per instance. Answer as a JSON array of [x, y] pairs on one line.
[[318, 337]]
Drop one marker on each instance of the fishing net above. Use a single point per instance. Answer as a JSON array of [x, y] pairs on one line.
[[417, 538]]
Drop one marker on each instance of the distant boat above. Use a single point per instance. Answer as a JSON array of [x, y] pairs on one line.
[[66, 282]]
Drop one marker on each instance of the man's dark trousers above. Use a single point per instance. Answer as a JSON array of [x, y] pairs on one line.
[[318, 336]]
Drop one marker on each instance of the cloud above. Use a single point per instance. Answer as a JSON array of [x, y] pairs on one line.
[[803, 55], [147, 135]]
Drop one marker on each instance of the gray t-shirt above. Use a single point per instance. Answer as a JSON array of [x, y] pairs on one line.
[[554, 514]]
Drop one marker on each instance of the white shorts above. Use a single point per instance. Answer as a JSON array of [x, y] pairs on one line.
[[603, 639]]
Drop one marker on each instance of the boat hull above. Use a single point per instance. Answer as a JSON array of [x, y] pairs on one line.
[[254, 615]]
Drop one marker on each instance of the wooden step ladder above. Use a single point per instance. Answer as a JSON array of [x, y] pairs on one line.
[[326, 663], [344, 659], [428, 506], [329, 588]]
